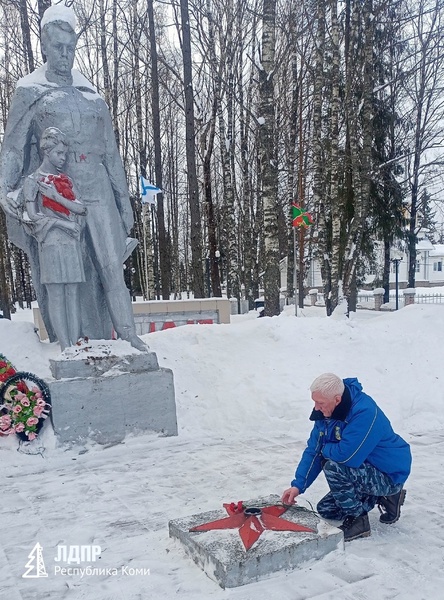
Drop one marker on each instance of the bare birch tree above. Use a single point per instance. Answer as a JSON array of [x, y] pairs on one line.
[[268, 158], [193, 188]]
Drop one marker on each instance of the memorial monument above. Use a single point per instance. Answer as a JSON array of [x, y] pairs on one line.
[[56, 95], [257, 539], [64, 192]]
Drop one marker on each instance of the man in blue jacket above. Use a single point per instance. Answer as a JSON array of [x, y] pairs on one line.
[[364, 461]]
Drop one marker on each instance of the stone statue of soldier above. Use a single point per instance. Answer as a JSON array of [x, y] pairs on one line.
[[56, 95]]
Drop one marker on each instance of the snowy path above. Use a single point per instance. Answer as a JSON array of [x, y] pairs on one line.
[[122, 498]]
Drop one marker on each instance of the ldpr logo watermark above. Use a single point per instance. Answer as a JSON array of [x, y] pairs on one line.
[[75, 554], [35, 565]]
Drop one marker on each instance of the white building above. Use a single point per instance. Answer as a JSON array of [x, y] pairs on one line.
[[429, 265], [429, 268]]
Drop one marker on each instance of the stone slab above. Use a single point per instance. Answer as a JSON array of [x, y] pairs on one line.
[[222, 556], [96, 366], [122, 400]]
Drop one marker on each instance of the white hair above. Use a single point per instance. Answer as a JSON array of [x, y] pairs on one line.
[[329, 385]]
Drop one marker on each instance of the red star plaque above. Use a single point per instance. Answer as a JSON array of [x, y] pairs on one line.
[[252, 521]]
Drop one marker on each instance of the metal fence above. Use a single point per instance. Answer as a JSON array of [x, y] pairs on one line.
[[429, 298], [366, 300]]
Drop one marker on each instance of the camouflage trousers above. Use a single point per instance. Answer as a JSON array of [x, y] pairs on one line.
[[353, 491]]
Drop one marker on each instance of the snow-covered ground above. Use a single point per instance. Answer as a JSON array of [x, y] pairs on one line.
[[242, 404]]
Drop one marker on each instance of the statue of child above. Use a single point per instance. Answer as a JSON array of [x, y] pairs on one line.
[[54, 218]]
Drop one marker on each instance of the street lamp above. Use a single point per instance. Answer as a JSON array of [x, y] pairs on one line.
[[396, 258]]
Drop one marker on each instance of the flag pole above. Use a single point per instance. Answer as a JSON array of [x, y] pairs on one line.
[[145, 251], [295, 274], [300, 218]]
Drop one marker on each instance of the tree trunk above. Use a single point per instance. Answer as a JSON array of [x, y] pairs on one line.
[[336, 207], [362, 171], [268, 160], [115, 85], [165, 266], [148, 271], [212, 258], [193, 189], [248, 227], [26, 33], [319, 188], [104, 53], [295, 187], [226, 136], [5, 293]]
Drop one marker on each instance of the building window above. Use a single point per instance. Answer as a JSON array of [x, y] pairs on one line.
[[437, 266]]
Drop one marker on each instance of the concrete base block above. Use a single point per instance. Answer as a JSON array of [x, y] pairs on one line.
[[106, 404], [222, 556]]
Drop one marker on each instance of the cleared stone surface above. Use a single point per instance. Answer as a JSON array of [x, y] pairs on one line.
[[222, 556], [127, 397], [95, 366]]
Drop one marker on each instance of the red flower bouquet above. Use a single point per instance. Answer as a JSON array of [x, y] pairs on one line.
[[63, 185]]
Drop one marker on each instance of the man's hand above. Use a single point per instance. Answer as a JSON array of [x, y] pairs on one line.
[[288, 497]]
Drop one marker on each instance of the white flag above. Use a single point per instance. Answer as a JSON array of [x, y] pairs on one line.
[[148, 191]]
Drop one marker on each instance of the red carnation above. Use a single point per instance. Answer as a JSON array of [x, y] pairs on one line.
[[22, 387]]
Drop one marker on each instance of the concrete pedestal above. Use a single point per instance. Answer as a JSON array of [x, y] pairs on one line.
[[105, 397], [222, 556]]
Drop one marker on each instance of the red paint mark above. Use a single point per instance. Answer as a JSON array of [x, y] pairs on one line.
[[251, 526]]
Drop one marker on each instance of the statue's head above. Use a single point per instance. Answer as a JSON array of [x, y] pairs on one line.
[[59, 39], [54, 146]]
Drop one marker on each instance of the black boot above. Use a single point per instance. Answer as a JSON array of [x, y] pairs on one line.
[[392, 506], [355, 527]]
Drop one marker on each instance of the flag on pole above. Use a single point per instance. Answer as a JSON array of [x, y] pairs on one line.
[[300, 217], [148, 191]]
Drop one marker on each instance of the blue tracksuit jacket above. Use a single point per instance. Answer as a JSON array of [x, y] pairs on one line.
[[357, 432]]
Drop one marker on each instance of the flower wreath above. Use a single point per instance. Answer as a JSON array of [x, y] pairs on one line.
[[23, 407]]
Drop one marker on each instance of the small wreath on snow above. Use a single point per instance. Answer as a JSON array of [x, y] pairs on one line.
[[25, 403]]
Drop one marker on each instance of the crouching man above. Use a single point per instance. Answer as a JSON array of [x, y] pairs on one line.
[[364, 461]]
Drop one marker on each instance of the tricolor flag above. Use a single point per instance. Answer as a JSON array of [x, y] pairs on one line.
[[300, 217], [148, 191]]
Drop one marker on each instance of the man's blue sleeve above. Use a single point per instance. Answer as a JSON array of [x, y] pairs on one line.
[[310, 464]]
